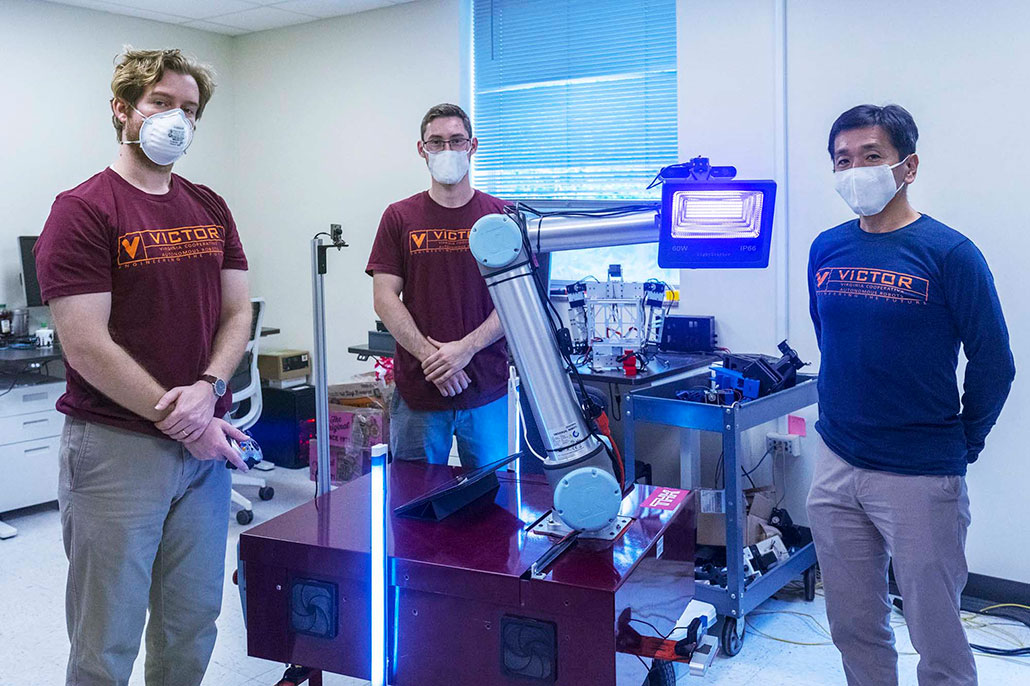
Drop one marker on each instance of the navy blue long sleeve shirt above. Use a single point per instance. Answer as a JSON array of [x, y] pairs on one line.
[[890, 312]]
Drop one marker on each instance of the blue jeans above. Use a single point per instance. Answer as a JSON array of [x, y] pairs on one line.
[[482, 433]]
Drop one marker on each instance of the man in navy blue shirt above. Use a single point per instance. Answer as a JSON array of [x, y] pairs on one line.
[[894, 294]]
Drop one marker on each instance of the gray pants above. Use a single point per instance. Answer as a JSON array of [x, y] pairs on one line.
[[861, 520], [145, 526]]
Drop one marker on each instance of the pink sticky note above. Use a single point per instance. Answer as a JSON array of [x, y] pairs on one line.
[[796, 425], [665, 499]]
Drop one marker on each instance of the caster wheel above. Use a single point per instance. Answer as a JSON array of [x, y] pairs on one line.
[[245, 517], [730, 641], [662, 674], [266, 493], [809, 577]]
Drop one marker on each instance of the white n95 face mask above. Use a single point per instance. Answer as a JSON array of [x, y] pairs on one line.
[[165, 136], [448, 166], [867, 190]]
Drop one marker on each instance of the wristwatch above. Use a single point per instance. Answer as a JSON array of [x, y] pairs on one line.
[[217, 385]]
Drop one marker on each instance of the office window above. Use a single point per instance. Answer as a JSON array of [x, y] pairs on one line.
[[576, 100]]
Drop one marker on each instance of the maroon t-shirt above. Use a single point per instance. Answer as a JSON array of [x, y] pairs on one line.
[[427, 245], [160, 257]]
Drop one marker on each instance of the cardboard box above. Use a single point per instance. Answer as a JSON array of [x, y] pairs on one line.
[[364, 391], [352, 433], [711, 518], [357, 426], [345, 464], [761, 506]]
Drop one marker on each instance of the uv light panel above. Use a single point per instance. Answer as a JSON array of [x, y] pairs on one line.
[[716, 224]]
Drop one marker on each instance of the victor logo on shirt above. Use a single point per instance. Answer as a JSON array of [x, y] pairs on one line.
[[872, 283], [438, 240], [184, 242]]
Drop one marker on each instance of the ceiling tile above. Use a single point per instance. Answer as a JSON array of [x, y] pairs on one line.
[[126, 10], [262, 18], [331, 8], [194, 9], [215, 28]]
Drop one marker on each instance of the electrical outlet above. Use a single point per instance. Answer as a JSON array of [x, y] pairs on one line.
[[783, 444]]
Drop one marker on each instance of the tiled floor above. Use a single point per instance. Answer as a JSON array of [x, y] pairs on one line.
[[33, 642]]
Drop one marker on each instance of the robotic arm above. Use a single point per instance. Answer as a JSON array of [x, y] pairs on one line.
[[587, 494], [707, 220]]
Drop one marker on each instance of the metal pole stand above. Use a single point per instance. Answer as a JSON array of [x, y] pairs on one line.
[[319, 358]]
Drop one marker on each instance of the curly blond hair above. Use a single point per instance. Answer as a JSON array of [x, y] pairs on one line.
[[135, 70]]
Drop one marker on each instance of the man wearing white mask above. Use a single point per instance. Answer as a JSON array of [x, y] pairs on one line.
[[894, 294], [451, 364], [146, 278]]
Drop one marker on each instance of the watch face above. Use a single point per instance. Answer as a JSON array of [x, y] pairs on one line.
[[219, 388]]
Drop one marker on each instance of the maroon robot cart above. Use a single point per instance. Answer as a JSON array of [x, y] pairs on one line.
[[475, 598]]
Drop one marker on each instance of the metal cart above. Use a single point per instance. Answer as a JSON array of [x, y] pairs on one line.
[[659, 405]]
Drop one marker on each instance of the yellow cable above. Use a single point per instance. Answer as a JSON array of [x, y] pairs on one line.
[[995, 607]]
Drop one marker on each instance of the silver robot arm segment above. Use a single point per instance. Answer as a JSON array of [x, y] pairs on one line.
[[587, 495]]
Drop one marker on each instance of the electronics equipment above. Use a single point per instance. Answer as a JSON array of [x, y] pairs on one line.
[[611, 320], [771, 374], [713, 224], [33, 297], [287, 425], [764, 555], [282, 365], [708, 396], [249, 449], [686, 334]]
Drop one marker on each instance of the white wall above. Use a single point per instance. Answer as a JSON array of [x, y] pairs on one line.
[[56, 74], [328, 117]]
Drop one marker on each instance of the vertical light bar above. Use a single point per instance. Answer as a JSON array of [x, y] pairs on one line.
[[378, 579]]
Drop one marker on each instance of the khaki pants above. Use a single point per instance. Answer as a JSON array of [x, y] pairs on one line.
[[145, 526], [861, 520]]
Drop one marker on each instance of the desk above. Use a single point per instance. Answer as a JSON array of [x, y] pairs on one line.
[[364, 352], [663, 367], [12, 358]]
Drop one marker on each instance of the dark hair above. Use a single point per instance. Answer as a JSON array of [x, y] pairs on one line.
[[894, 119], [445, 110]]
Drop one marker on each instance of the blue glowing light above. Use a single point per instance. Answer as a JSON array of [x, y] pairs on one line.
[[716, 224], [379, 565]]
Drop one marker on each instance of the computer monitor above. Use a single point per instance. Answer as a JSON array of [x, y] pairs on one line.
[[28, 271]]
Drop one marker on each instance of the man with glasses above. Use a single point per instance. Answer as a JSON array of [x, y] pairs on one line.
[[451, 364]]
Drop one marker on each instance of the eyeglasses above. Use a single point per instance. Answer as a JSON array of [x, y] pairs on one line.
[[438, 144]]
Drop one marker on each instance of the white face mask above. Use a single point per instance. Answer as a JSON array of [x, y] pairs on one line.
[[448, 166], [867, 190], [164, 136]]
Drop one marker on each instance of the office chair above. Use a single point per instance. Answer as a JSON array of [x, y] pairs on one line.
[[246, 410]]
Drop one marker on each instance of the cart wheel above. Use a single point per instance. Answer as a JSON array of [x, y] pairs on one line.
[[731, 642], [245, 517], [266, 493], [662, 674], [809, 577]]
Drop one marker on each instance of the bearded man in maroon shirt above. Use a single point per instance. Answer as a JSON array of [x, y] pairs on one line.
[[146, 279]]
